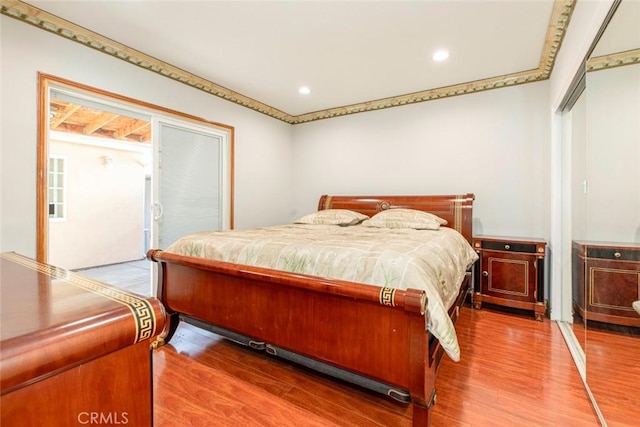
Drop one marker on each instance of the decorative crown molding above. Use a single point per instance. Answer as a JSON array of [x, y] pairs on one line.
[[44, 20], [606, 62], [558, 24]]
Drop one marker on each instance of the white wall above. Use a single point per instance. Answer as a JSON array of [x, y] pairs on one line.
[[263, 153], [494, 144], [613, 155], [104, 207]]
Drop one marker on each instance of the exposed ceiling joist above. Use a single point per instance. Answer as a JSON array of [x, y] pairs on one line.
[[66, 112], [99, 122], [83, 120]]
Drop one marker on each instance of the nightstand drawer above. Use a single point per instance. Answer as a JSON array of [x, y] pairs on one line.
[[614, 253], [508, 246]]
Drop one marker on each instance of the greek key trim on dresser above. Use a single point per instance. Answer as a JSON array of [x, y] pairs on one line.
[[143, 314]]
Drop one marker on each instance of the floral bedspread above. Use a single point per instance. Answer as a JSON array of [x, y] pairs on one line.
[[432, 260]]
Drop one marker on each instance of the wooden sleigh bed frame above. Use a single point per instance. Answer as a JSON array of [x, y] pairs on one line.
[[320, 322]]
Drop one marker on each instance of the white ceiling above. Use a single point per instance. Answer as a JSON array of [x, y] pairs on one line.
[[347, 52], [623, 31]]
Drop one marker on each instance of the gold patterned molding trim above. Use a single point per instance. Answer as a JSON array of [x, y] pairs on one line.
[[606, 62], [558, 24]]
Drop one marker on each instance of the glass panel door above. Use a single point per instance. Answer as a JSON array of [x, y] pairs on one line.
[[188, 183]]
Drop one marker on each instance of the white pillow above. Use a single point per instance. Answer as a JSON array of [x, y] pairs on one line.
[[333, 217], [405, 218]]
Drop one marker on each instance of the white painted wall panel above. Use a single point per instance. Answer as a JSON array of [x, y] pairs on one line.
[[494, 144]]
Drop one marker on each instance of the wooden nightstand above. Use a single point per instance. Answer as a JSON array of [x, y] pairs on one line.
[[608, 279], [510, 273]]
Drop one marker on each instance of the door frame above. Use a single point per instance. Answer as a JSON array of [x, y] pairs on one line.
[[45, 81]]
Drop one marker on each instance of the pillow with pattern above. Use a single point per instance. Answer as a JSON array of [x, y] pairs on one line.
[[405, 218], [342, 217]]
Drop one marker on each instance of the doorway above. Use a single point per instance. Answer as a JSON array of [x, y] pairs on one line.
[[99, 153], [102, 160]]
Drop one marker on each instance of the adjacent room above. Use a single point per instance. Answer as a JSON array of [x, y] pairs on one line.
[[312, 213]]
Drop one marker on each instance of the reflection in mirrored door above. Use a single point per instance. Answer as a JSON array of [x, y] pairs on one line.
[[578, 188], [611, 244], [612, 249]]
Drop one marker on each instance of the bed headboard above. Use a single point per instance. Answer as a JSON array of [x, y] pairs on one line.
[[456, 209]]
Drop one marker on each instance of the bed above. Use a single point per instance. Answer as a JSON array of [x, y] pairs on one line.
[[381, 336]]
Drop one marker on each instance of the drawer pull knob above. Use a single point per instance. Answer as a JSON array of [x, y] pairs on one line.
[[507, 247], [617, 254], [485, 273]]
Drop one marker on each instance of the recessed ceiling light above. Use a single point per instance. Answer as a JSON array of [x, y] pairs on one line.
[[440, 55], [304, 90]]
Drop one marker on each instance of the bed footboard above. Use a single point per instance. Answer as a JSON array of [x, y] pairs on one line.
[[352, 329]]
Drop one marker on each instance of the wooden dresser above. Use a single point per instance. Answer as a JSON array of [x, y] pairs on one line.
[[607, 276], [74, 351], [510, 273]]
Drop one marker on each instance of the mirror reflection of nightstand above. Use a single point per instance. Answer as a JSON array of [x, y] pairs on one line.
[[608, 281]]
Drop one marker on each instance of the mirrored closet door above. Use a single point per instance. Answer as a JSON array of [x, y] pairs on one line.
[[606, 219]]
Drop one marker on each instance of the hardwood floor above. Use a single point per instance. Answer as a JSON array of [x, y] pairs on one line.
[[514, 372], [613, 370], [613, 373]]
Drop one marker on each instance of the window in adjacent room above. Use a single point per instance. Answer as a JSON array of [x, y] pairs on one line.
[[57, 194]]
